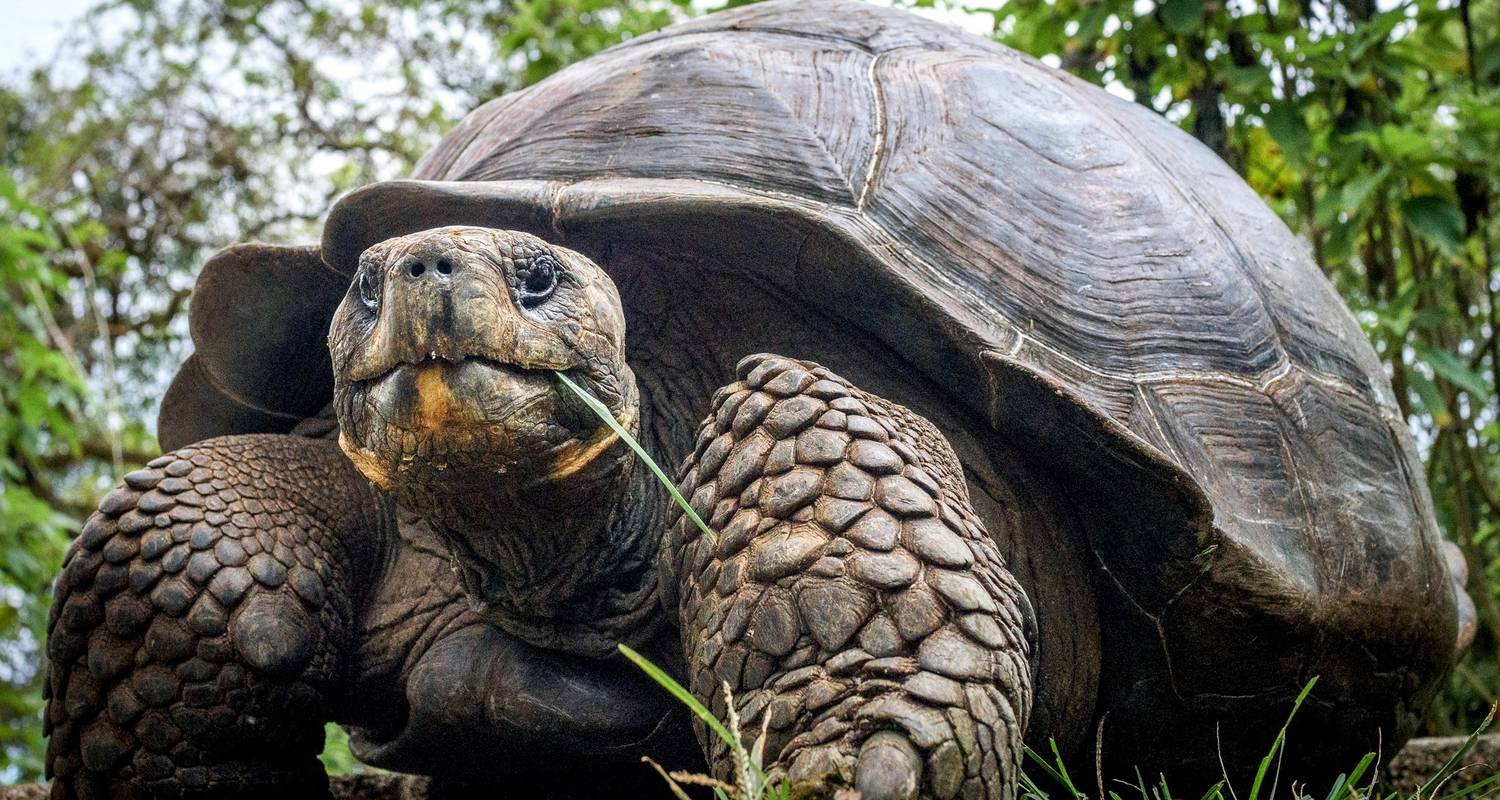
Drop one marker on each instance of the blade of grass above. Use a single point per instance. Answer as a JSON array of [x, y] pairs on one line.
[[1061, 777], [1063, 768], [1166, 793], [1047, 768], [1031, 791], [682, 694], [751, 780], [1434, 782], [603, 412], [1345, 785], [1486, 787], [1140, 786], [1340, 787], [1276, 746]]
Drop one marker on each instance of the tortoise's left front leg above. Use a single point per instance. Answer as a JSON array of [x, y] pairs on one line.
[[850, 599], [202, 622]]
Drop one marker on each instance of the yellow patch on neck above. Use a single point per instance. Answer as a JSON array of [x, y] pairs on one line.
[[365, 461], [578, 455], [434, 398]]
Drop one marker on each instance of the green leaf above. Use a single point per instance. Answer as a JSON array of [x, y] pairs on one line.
[[1430, 398], [1182, 16], [1340, 243], [1247, 80], [1327, 209], [1404, 143], [336, 756], [1287, 126], [1092, 22], [1436, 220], [1358, 190], [1487, 61], [1450, 368]]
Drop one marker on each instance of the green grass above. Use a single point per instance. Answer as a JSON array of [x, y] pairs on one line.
[[598, 407], [752, 783], [1360, 783], [750, 779]]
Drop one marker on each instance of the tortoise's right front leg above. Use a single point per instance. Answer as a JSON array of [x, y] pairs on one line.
[[200, 626], [851, 599]]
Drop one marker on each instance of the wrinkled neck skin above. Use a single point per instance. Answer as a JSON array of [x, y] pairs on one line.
[[567, 565]]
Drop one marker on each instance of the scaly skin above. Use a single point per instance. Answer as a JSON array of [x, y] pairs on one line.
[[202, 620], [852, 601]]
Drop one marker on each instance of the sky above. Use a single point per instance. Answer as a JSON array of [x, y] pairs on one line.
[[32, 29]]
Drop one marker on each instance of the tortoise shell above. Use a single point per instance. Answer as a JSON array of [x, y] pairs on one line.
[[1025, 258]]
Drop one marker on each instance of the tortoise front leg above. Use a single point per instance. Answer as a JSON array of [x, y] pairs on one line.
[[851, 600], [201, 623]]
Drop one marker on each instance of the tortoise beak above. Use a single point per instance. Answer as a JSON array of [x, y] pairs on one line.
[[441, 363], [441, 303]]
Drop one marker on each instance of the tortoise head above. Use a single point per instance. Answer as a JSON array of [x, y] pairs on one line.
[[444, 351]]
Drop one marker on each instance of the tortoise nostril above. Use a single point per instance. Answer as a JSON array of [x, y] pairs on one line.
[[416, 268], [444, 267]]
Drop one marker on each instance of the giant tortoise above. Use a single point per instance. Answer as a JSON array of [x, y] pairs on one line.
[[1067, 439]]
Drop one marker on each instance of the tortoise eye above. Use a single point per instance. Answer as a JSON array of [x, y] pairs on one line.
[[369, 290], [538, 279]]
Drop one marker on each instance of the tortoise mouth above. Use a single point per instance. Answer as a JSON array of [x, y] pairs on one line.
[[474, 415], [435, 359], [446, 351], [437, 394]]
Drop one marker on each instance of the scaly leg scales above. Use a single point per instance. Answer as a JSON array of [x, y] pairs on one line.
[[202, 622], [852, 600]]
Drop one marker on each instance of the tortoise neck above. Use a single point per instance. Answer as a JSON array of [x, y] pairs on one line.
[[568, 566]]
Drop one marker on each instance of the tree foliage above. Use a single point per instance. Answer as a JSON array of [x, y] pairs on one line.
[[159, 132], [41, 406]]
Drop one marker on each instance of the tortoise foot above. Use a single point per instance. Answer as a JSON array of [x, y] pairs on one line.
[[850, 599]]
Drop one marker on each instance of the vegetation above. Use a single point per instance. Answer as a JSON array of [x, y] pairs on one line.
[[42, 409], [159, 132], [751, 781]]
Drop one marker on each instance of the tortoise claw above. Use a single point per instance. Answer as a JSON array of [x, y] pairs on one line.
[[889, 768]]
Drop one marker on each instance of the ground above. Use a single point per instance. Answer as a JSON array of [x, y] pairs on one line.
[[1421, 758]]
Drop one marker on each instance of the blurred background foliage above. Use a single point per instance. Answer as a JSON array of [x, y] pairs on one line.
[[158, 132]]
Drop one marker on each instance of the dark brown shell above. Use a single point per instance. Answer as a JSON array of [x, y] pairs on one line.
[[1076, 272]]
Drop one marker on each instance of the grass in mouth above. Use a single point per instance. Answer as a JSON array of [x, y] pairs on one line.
[[598, 407]]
